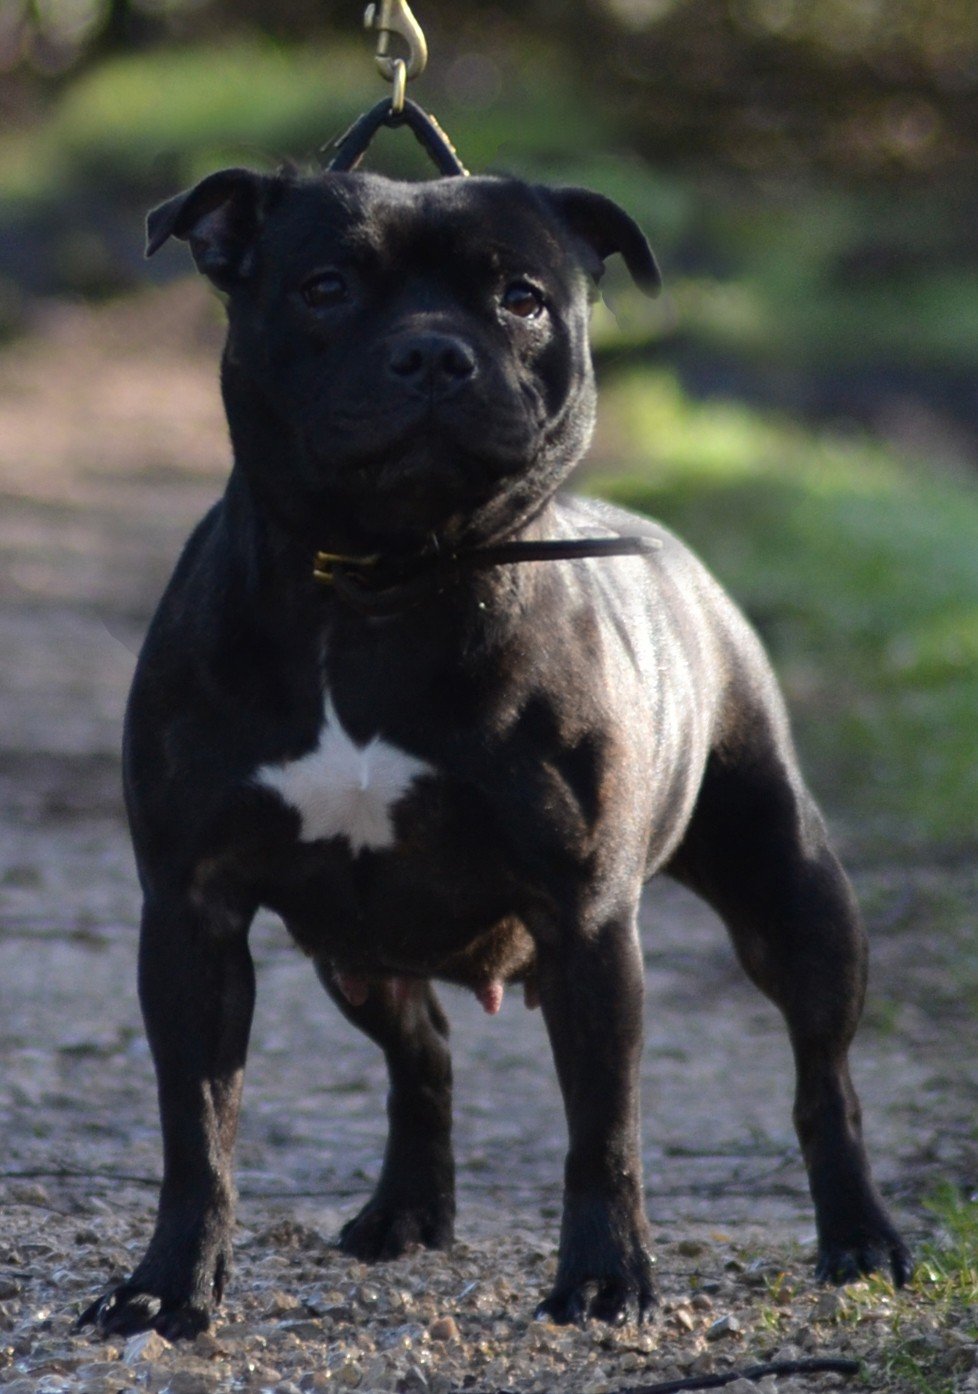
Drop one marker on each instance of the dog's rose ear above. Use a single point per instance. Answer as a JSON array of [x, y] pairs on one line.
[[606, 228], [219, 217]]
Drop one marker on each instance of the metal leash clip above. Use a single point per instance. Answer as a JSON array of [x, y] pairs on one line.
[[390, 17]]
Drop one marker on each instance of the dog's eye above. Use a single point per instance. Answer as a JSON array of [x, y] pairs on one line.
[[523, 300], [325, 288]]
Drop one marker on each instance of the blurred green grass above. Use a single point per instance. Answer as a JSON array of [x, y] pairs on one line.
[[859, 568], [173, 112], [167, 113]]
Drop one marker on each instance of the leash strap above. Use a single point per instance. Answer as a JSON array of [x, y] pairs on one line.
[[507, 553], [348, 150], [380, 586]]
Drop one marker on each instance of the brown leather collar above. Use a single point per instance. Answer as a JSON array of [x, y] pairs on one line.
[[379, 585]]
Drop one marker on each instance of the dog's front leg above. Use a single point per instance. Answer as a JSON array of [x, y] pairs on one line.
[[197, 991], [591, 991]]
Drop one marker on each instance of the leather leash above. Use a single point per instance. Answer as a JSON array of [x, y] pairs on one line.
[[348, 150]]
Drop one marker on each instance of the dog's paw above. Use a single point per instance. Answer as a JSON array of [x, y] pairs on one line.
[[385, 1230], [129, 1309], [615, 1300], [884, 1251]]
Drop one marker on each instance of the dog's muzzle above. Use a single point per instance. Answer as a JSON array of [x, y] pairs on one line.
[[431, 365]]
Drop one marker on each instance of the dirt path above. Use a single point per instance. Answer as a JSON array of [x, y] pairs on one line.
[[111, 444]]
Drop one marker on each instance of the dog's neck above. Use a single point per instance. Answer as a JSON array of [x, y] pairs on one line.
[[287, 578], [319, 567]]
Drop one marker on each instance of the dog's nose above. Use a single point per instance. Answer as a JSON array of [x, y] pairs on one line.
[[437, 363]]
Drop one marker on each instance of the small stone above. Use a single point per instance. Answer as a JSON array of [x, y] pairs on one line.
[[9, 1287], [314, 1382], [97, 1206], [281, 1304], [377, 1375], [338, 1313], [684, 1318], [701, 1302], [723, 1326], [207, 1346], [759, 1273], [315, 1301], [304, 1330], [404, 1337], [54, 1371], [189, 1382], [690, 1248], [416, 1381], [702, 1365], [148, 1345], [348, 1374], [444, 1329], [29, 1193], [829, 1307], [256, 1376]]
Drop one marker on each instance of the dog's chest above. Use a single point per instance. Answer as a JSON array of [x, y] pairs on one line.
[[342, 789]]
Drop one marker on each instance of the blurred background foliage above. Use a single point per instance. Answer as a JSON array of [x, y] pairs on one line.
[[803, 401]]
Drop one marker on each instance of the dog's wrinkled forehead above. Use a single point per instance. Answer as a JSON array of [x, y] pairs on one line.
[[472, 225]]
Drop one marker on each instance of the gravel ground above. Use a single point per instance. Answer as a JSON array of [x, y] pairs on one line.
[[112, 444]]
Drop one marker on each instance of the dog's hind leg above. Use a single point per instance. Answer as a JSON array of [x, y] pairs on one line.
[[414, 1201], [197, 990], [757, 851]]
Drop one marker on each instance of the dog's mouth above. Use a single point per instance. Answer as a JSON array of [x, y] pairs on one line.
[[430, 449], [402, 486], [383, 442]]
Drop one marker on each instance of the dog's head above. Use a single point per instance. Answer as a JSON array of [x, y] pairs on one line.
[[404, 360]]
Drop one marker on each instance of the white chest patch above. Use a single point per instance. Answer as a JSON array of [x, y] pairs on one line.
[[342, 789]]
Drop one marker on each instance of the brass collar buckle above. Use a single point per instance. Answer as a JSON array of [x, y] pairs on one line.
[[325, 564]]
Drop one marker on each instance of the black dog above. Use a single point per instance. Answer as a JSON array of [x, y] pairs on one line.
[[357, 705]]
